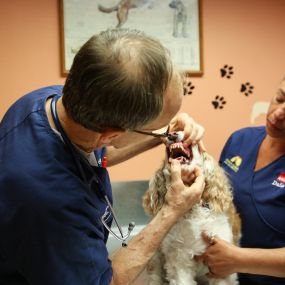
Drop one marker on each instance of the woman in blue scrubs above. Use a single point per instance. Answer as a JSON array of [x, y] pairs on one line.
[[55, 192], [254, 158]]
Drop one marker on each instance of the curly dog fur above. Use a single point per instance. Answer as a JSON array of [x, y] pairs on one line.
[[174, 262]]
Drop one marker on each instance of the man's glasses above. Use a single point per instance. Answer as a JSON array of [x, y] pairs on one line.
[[171, 136]]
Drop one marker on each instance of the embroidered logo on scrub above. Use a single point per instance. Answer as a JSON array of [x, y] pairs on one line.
[[280, 181], [234, 163]]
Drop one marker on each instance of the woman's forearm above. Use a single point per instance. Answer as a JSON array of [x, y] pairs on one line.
[[262, 261]]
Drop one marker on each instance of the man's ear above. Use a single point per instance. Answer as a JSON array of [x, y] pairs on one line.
[[107, 136]]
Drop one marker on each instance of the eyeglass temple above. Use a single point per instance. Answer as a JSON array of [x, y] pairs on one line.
[[171, 136], [163, 135], [151, 134]]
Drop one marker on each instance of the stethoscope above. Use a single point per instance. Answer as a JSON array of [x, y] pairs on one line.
[[78, 158]]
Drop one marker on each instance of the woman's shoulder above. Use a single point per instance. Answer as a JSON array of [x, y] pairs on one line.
[[245, 138], [248, 132]]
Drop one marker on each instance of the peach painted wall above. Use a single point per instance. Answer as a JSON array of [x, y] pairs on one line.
[[246, 34]]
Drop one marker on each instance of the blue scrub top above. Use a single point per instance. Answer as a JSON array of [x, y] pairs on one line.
[[50, 220], [258, 195]]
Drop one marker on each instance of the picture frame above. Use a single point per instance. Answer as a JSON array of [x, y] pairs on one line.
[[176, 23]]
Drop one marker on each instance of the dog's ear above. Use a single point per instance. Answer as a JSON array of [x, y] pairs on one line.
[[153, 199], [235, 221], [146, 202], [217, 193]]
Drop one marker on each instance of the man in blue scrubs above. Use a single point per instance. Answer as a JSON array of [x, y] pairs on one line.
[[255, 161], [54, 188]]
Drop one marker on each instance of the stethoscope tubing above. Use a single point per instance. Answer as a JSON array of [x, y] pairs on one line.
[[77, 159]]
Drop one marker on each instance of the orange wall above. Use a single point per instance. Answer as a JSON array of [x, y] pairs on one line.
[[245, 34]]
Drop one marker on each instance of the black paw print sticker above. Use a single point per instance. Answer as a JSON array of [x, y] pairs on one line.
[[227, 71], [219, 102], [188, 88], [246, 88]]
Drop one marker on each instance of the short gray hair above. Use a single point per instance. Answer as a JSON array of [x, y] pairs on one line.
[[117, 80]]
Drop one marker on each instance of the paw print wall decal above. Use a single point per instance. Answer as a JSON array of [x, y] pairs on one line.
[[188, 88], [227, 71], [219, 102], [246, 88]]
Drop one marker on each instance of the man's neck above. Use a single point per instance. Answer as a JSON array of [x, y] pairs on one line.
[[85, 139]]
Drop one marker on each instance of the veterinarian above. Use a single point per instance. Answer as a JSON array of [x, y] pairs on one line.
[[255, 160], [55, 193]]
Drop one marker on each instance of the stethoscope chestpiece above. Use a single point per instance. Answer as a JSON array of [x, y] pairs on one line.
[[130, 228], [122, 237]]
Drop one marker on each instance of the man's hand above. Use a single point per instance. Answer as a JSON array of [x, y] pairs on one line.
[[193, 132], [180, 198]]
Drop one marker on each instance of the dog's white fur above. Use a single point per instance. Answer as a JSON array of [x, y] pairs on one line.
[[215, 214]]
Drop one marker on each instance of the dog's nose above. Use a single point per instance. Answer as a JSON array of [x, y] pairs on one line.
[[176, 136]]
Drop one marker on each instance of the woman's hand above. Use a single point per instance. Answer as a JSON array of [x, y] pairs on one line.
[[221, 257]]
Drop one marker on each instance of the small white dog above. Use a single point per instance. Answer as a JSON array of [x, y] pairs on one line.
[[174, 262]]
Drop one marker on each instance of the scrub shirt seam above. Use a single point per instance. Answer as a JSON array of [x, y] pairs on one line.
[[17, 125], [258, 211], [88, 245], [252, 193]]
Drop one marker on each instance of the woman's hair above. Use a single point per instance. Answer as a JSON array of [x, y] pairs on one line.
[[117, 80]]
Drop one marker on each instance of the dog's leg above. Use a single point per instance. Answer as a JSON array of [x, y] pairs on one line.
[[122, 16], [184, 25], [155, 270], [232, 279], [183, 277], [175, 25], [181, 272], [229, 280], [186, 277]]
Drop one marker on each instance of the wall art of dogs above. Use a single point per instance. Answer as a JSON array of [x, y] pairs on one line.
[[180, 19], [123, 8], [174, 262]]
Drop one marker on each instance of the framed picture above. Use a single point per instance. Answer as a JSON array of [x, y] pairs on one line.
[[176, 23]]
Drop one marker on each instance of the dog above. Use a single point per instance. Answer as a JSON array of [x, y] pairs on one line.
[[180, 18], [174, 262], [123, 8]]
